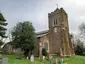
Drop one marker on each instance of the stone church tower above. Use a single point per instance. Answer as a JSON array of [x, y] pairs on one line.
[[59, 38], [56, 40]]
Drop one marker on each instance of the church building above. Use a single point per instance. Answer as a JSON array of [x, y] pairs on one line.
[[57, 39]]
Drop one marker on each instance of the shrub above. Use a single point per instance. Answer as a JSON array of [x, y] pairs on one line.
[[44, 52], [83, 53]]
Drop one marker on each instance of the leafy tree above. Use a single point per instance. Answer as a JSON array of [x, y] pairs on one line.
[[24, 37], [79, 47], [2, 28], [82, 30]]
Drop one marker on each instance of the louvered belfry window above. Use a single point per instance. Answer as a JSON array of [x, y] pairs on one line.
[[55, 22]]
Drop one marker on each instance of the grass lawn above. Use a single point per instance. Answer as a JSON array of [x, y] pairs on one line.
[[69, 60], [75, 60], [12, 60]]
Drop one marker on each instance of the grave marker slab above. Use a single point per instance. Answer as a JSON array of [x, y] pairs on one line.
[[32, 58], [5, 61]]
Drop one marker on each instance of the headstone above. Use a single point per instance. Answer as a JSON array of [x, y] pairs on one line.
[[57, 61], [32, 58], [51, 61], [27, 58], [5, 61], [60, 61], [62, 57], [39, 58], [43, 57], [0, 59]]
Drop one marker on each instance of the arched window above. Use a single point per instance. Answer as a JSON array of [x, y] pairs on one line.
[[46, 46]]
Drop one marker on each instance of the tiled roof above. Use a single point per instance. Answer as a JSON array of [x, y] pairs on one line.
[[42, 33]]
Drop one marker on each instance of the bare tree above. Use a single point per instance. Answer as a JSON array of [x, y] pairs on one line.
[[82, 31]]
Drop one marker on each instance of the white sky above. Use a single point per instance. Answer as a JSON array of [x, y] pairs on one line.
[[37, 11]]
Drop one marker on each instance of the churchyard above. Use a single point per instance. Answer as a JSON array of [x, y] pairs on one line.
[[22, 43], [69, 60], [12, 60]]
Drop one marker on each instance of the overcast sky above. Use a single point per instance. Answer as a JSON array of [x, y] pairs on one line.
[[37, 11]]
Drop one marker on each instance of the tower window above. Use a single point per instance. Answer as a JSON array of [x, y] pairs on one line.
[[55, 22]]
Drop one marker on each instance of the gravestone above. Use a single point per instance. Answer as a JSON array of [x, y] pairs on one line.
[[27, 58], [5, 61], [60, 61], [32, 58], [56, 61], [0, 59], [51, 60], [43, 57]]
